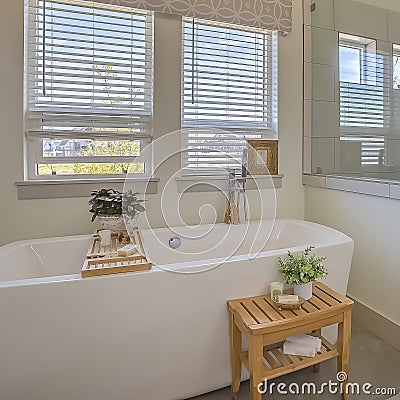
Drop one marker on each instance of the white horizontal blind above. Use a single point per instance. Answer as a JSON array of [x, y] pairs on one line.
[[363, 107], [89, 71], [227, 93]]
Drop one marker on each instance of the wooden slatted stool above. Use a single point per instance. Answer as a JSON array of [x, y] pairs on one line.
[[266, 328]]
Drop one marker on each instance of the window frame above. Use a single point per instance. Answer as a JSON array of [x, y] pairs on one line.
[[363, 43], [365, 135], [34, 144], [271, 105], [35, 156]]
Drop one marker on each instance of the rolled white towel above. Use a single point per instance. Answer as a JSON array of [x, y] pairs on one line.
[[302, 345], [306, 340], [298, 349]]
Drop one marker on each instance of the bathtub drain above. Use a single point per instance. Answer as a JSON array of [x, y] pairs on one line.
[[175, 242]]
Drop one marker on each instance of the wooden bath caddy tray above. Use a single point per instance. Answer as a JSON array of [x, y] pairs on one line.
[[104, 260]]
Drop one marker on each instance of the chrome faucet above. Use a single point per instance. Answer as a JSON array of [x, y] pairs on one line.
[[244, 178], [236, 190]]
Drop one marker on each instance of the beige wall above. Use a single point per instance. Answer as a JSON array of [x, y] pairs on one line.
[[388, 4], [22, 219], [374, 224]]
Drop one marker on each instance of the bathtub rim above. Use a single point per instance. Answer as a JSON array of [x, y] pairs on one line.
[[89, 235], [179, 267]]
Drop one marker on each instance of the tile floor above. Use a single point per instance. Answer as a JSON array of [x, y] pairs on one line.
[[371, 360]]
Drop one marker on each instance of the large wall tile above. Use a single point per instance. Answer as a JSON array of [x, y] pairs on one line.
[[323, 155], [323, 82], [394, 27], [323, 15], [347, 156], [393, 154], [324, 47], [384, 48], [325, 119], [361, 19]]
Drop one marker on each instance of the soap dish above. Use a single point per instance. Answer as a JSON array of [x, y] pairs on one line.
[[291, 306]]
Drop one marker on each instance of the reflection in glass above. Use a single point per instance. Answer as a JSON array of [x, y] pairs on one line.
[[350, 60], [361, 138]]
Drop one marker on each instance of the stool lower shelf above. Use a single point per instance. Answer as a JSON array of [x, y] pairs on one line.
[[277, 364]]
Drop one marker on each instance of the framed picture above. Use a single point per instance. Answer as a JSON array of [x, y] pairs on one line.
[[262, 157]]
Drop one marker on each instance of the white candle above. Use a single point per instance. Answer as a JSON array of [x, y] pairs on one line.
[[276, 289]]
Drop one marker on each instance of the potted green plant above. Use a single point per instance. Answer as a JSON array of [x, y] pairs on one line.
[[114, 209], [301, 270]]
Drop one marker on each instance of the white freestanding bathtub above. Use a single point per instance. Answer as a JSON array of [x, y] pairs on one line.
[[157, 335]]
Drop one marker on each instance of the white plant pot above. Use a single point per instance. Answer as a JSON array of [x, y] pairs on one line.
[[304, 290]]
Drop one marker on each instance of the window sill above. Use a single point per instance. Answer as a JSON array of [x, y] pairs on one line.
[[56, 189], [370, 186], [215, 183]]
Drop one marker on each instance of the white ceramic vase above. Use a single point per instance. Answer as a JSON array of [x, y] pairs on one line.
[[304, 290]]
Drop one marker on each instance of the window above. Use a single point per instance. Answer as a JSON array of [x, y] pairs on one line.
[[351, 63], [89, 89], [228, 94], [364, 96]]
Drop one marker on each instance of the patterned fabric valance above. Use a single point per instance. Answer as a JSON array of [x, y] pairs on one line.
[[274, 15]]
